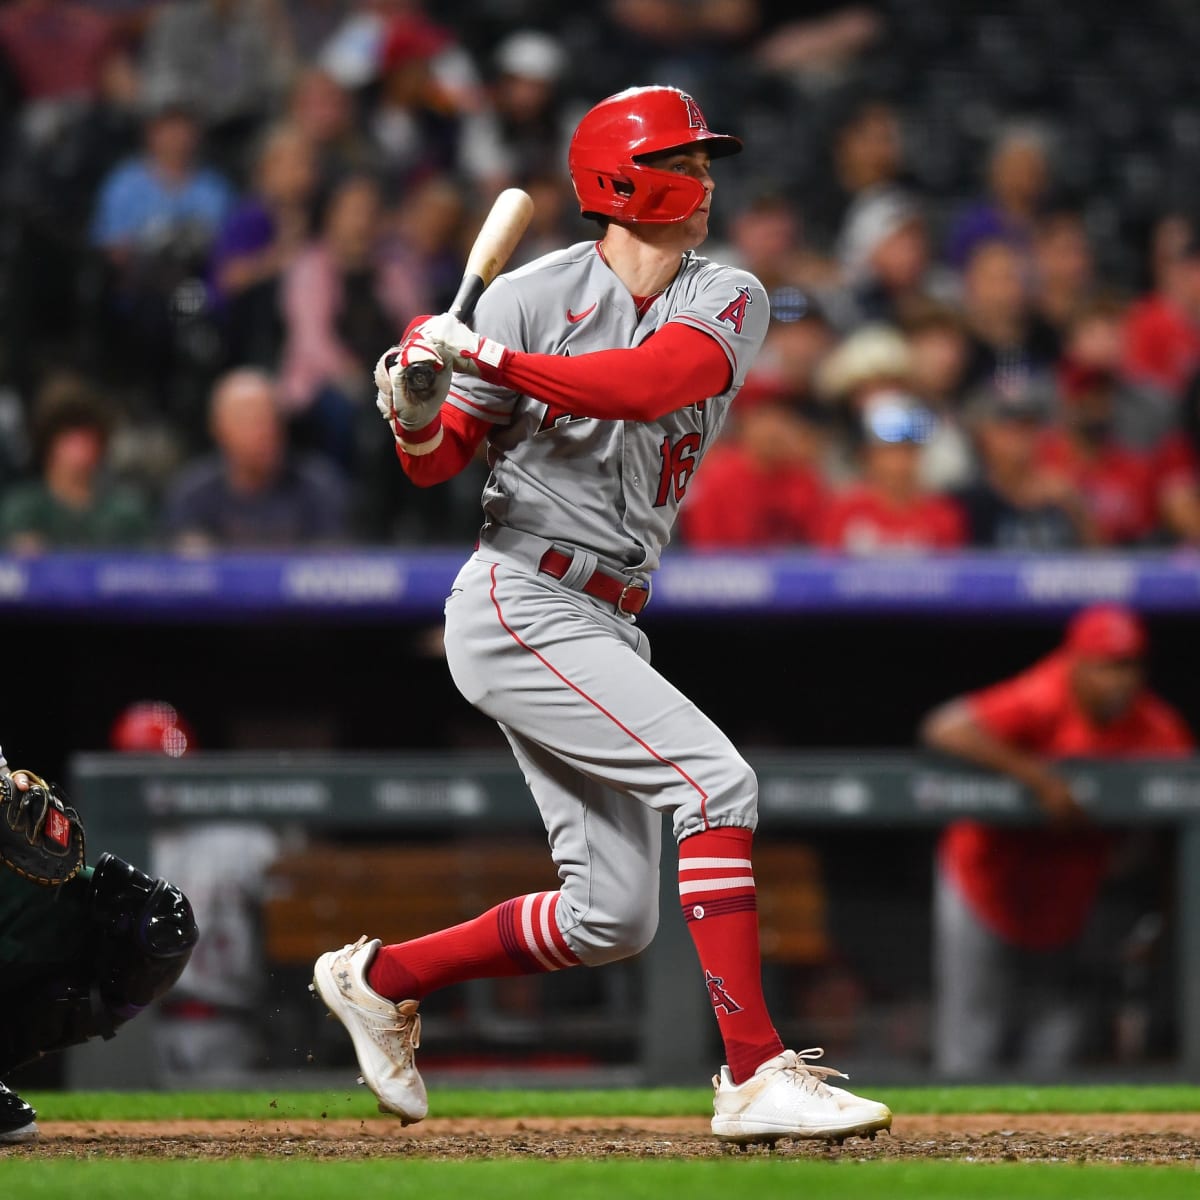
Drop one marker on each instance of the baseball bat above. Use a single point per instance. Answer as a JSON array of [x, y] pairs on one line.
[[497, 238]]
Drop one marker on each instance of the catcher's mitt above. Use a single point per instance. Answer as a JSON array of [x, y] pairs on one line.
[[41, 837]]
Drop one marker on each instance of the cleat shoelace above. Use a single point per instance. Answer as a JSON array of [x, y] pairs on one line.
[[408, 1030], [800, 1069], [399, 1038]]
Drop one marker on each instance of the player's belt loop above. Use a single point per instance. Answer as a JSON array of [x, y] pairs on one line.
[[583, 567], [625, 597]]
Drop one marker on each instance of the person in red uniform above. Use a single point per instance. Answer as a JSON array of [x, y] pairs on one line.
[[891, 510], [1013, 903]]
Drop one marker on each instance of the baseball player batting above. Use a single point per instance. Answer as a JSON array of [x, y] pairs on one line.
[[599, 376]]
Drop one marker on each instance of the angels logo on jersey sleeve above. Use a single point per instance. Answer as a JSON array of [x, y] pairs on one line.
[[734, 313], [729, 305]]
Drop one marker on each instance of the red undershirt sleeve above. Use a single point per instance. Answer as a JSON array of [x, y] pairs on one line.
[[676, 367], [461, 435]]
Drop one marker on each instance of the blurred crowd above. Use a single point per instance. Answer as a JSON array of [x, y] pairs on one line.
[[215, 214]]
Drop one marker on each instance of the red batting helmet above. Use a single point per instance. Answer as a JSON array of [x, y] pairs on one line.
[[152, 727], [607, 148]]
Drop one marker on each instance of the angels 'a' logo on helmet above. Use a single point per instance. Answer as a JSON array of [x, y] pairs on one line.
[[695, 116]]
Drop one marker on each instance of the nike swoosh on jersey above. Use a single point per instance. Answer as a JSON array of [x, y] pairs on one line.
[[575, 318]]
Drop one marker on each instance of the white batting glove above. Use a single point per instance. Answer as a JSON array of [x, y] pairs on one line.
[[460, 345], [396, 401]]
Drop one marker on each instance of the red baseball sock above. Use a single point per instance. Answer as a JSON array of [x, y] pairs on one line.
[[716, 889], [518, 937]]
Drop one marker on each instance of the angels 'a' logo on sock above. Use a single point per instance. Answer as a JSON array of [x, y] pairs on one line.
[[720, 998]]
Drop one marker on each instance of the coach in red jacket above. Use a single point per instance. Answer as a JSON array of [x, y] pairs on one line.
[[1012, 904]]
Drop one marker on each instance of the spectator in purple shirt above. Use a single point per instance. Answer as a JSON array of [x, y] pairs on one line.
[[1018, 181], [253, 492]]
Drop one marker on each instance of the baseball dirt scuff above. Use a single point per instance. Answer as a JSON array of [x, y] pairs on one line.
[[1112, 1138]]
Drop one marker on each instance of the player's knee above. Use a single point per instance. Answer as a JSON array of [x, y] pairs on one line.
[[625, 929], [743, 794]]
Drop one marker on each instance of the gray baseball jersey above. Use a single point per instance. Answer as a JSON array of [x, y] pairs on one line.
[[606, 743], [612, 487]]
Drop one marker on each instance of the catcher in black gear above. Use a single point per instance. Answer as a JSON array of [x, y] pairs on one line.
[[82, 949]]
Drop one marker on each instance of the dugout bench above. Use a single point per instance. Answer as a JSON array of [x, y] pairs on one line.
[[479, 803]]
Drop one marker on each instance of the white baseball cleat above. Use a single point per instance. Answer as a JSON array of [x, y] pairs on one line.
[[385, 1035], [788, 1097]]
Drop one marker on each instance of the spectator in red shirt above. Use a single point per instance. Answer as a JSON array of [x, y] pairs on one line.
[[890, 510], [58, 50], [1162, 330], [1115, 482], [759, 487], [1093, 338], [1013, 903], [762, 485]]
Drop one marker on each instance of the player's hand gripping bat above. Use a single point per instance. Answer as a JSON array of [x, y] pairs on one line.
[[497, 238]]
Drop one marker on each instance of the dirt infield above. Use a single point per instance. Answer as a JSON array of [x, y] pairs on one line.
[[1123, 1138]]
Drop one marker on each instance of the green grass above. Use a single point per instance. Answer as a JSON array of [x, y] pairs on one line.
[[354, 1101], [647, 1180]]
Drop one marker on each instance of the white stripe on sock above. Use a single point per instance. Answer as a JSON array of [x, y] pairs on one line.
[[548, 910], [709, 864], [686, 887], [531, 942]]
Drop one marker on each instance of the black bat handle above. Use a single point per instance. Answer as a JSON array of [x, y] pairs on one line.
[[421, 377]]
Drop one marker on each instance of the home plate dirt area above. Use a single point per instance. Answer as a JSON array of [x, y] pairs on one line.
[[1111, 1138]]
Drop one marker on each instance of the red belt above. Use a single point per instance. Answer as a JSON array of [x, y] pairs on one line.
[[624, 597]]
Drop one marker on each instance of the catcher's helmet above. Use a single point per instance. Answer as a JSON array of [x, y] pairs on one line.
[[607, 148]]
